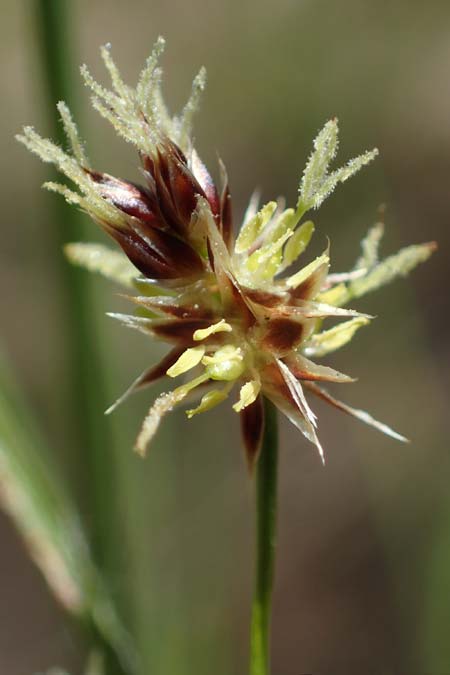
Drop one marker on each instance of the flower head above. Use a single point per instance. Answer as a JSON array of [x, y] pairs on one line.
[[236, 310]]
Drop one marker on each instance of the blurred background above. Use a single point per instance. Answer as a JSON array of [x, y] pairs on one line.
[[363, 571]]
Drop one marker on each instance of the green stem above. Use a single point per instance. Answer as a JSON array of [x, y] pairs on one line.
[[86, 382], [86, 396], [266, 487]]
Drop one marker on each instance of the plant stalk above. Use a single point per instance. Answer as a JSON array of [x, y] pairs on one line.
[[86, 396], [266, 512]]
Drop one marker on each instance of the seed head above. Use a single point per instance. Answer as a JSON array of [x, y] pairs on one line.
[[234, 308]]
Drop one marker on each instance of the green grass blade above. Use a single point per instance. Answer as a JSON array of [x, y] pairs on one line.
[[34, 495]]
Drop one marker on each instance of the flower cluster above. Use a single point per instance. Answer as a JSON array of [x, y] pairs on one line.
[[232, 308]]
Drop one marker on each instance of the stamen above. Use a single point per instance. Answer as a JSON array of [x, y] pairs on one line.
[[220, 327], [188, 360], [248, 395], [210, 400]]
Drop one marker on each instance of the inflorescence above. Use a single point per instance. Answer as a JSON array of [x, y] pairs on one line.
[[231, 306]]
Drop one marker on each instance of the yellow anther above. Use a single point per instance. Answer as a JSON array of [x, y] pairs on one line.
[[248, 395], [220, 327], [188, 359]]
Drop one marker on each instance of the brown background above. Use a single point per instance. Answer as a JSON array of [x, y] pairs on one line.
[[363, 575]]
